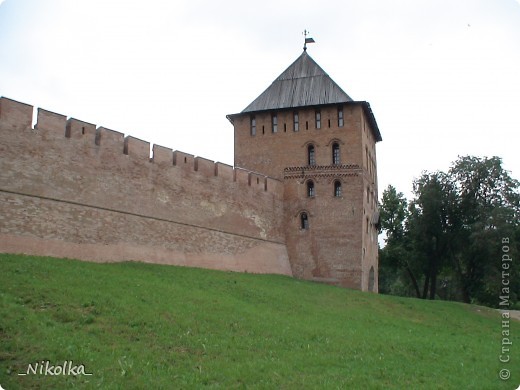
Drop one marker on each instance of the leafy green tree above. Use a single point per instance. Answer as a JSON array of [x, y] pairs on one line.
[[489, 205], [393, 214], [430, 226], [395, 256], [452, 233]]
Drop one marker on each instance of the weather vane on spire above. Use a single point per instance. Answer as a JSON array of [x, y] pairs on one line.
[[307, 40]]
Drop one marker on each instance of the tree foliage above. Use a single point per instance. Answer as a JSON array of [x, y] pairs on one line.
[[447, 241]]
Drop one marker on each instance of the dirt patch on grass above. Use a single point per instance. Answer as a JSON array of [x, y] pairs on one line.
[[515, 314]]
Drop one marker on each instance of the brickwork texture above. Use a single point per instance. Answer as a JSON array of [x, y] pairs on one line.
[[70, 189]]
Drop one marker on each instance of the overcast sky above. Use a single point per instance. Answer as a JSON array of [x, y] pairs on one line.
[[442, 76]]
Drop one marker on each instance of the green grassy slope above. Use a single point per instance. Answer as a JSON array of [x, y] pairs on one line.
[[147, 326]]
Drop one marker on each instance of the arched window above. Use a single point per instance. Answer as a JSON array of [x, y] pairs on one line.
[[304, 221], [311, 155], [337, 188], [310, 189], [336, 160]]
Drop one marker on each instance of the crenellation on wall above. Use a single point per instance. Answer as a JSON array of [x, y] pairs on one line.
[[114, 143], [162, 155], [183, 160], [50, 124], [135, 147], [204, 166], [257, 181], [76, 129], [224, 171], [242, 175], [16, 115], [110, 140]]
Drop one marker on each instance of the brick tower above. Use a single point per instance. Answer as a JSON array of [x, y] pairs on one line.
[[307, 132]]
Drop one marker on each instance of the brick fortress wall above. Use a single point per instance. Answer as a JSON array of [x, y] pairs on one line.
[[69, 189]]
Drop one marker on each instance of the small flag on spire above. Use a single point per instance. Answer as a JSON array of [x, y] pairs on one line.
[[307, 40]]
